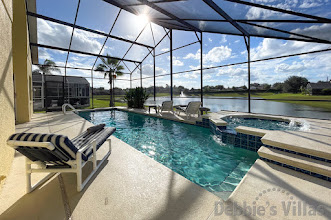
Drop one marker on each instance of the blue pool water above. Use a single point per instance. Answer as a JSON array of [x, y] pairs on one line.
[[192, 151], [235, 121]]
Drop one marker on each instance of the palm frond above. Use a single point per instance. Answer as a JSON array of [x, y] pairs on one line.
[[55, 69], [101, 67], [35, 71], [48, 62], [113, 62], [119, 73], [103, 59], [109, 61], [48, 66], [120, 67]]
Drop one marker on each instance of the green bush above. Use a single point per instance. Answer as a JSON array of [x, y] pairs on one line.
[[326, 92], [135, 98]]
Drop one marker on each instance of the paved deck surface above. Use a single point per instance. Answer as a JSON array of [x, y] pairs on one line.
[[269, 192], [131, 185]]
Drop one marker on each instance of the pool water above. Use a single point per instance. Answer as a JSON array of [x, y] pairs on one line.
[[192, 151], [234, 121]]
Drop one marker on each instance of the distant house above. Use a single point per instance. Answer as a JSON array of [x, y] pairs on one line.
[[257, 86], [48, 91], [317, 88]]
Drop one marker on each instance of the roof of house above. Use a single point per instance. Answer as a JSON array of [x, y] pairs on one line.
[[36, 77], [321, 85]]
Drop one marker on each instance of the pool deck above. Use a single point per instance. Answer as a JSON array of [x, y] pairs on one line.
[[130, 185]]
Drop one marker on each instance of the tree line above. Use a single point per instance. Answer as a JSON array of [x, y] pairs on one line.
[[293, 84]]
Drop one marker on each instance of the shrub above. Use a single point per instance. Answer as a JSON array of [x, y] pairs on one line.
[[326, 91], [135, 98]]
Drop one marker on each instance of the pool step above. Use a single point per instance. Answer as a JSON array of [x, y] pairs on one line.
[[233, 179], [310, 166], [306, 143]]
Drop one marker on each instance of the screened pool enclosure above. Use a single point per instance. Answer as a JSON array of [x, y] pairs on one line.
[[187, 49]]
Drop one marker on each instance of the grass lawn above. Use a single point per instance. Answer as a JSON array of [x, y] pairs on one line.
[[101, 103], [294, 97]]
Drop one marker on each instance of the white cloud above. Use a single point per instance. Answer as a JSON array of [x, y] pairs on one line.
[[202, 25], [309, 4], [192, 56], [218, 54], [53, 34], [232, 71], [43, 54], [207, 76], [165, 49], [223, 39], [177, 63], [191, 75], [58, 35], [149, 71], [295, 67], [258, 13], [205, 71], [210, 40], [318, 31], [273, 48], [215, 55]]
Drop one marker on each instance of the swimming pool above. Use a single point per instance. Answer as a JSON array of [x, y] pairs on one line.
[[235, 121], [192, 151]]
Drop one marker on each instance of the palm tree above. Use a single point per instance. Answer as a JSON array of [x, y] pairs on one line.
[[47, 68], [112, 69]]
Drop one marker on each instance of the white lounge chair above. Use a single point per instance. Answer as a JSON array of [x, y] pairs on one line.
[[56, 153], [190, 109], [167, 106]]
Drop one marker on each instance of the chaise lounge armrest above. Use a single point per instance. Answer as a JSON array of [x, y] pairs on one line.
[[180, 107]]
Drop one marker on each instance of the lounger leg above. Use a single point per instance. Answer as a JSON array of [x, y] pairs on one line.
[[79, 172], [28, 175], [109, 143], [94, 155]]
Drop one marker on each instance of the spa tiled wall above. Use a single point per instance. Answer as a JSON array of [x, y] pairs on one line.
[[245, 141]]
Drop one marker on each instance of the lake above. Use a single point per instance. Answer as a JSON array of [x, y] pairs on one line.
[[257, 106]]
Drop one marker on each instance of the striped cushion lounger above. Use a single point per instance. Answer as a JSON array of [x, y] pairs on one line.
[[57, 153]]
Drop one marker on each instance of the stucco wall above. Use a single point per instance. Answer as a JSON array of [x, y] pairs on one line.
[[15, 77], [21, 63], [7, 121]]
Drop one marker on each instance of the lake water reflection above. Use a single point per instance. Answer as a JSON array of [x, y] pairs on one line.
[[257, 106]]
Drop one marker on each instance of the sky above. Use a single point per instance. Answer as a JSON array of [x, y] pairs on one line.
[[218, 49]]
